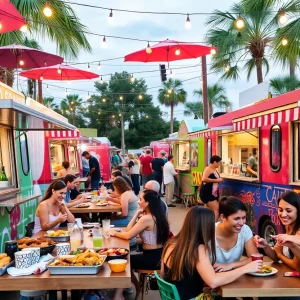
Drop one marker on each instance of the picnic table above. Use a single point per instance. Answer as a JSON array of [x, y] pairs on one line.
[[105, 279], [270, 286]]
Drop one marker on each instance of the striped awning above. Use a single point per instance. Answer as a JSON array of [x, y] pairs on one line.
[[62, 134], [288, 115], [199, 134]]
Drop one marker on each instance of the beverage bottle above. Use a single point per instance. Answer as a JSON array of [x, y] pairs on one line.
[[75, 237], [3, 176]]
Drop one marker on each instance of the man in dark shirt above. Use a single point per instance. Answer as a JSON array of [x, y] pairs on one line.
[[94, 174], [157, 165]]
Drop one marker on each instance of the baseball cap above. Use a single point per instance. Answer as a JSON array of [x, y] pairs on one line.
[[162, 152]]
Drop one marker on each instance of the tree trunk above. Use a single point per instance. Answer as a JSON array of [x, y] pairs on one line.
[[292, 69], [196, 117], [40, 91], [10, 77], [211, 109], [172, 116], [30, 88], [259, 73], [122, 135], [34, 89]]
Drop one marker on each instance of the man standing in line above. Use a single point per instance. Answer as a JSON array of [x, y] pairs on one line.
[[116, 160], [169, 173], [85, 170], [157, 165], [145, 168], [94, 174]]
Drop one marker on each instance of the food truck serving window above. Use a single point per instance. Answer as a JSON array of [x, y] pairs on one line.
[[73, 160], [240, 155], [7, 170], [57, 156], [275, 148], [183, 156]]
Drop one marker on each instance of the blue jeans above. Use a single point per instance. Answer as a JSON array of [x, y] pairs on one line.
[[95, 184], [135, 178], [85, 173]]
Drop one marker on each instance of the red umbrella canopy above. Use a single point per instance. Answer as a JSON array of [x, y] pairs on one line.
[[169, 50], [18, 56], [10, 18], [58, 72]]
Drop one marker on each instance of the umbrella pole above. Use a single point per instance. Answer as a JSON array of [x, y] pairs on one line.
[[40, 91], [204, 90]]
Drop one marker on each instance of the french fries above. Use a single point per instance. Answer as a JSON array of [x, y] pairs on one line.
[[58, 233], [266, 269], [4, 260]]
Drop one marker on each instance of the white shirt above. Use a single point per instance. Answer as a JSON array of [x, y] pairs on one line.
[[234, 254], [169, 172]]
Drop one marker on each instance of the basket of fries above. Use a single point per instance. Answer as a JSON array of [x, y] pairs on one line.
[[58, 235]]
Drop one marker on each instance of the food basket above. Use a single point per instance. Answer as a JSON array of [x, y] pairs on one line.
[[3, 269], [75, 270], [59, 239], [114, 256]]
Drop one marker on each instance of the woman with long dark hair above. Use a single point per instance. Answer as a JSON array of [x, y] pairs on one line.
[[52, 210], [153, 228], [289, 216], [188, 258]]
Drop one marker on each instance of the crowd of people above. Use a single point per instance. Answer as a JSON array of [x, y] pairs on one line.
[[215, 244]]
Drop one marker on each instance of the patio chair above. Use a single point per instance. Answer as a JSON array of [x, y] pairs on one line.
[[29, 229], [167, 290]]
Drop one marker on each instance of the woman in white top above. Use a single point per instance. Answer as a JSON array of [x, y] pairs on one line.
[[285, 249], [233, 235], [52, 210]]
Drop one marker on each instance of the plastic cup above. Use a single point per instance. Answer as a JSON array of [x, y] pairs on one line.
[[97, 238], [257, 256], [106, 227]]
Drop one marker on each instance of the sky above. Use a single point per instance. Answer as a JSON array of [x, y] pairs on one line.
[[148, 27]]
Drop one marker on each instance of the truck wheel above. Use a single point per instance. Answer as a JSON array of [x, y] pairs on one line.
[[268, 228]]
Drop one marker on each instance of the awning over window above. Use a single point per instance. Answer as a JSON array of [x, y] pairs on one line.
[[198, 134], [277, 117], [31, 117], [70, 137]]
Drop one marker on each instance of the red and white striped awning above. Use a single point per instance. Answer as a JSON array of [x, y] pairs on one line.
[[278, 117], [62, 134], [199, 134]]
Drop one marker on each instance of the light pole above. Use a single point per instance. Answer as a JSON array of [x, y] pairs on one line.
[[204, 90]]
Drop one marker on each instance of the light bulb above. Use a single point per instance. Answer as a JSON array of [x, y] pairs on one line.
[[47, 11], [113, 116], [284, 42], [0, 25], [21, 62], [24, 28], [188, 24], [169, 91], [88, 96], [147, 117], [59, 70], [47, 88], [101, 80], [132, 79], [213, 51], [227, 68], [140, 97], [110, 17], [239, 23], [121, 98], [120, 115], [41, 78], [177, 52], [69, 81], [148, 49], [72, 102], [103, 100], [99, 112], [99, 66], [282, 18], [104, 44], [89, 68]]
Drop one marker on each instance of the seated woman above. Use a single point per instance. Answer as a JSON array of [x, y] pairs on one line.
[[52, 210], [128, 201], [153, 229], [188, 258], [288, 213], [233, 235]]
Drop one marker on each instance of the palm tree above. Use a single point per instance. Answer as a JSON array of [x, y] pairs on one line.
[[245, 49], [49, 102], [171, 95], [193, 109], [281, 85], [70, 106], [216, 96]]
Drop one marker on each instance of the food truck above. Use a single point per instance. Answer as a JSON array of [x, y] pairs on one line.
[[271, 129], [157, 146], [19, 117]]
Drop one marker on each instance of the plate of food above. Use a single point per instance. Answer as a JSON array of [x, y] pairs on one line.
[[114, 253], [5, 262], [82, 205], [265, 271], [101, 204], [58, 235], [47, 245]]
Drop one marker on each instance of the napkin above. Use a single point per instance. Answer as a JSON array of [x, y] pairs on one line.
[[37, 268]]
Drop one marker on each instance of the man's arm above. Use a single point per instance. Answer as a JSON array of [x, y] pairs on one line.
[[250, 166]]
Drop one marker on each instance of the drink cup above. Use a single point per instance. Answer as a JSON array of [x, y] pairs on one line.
[[63, 249], [35, 252], [257, 256], [106, 227], [11, 247], [23, 259], [97, 238]]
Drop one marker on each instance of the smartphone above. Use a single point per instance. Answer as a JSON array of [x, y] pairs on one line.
[[291, 274]]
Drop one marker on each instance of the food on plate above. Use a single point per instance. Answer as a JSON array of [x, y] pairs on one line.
[[266, 269], [113, 251], [58, 233], [40, 242], [83, 205], [4, 260], [88, 258]]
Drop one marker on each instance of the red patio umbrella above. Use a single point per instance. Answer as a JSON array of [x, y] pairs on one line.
[[58, 72], [10, 18]]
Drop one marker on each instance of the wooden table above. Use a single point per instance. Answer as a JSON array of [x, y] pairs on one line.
[[104, 279], [96, 209], [271, 286]]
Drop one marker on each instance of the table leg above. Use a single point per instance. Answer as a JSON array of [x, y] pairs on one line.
[[64, 295], [94, 217], [75, 294], [52, 295]]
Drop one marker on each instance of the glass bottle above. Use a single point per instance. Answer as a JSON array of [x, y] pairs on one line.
[[75, 237], [3, 176]]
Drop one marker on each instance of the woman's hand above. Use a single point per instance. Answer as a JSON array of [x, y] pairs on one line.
[[62, 217], [282, 238], [222, 267], [253, 267], [220, 180], [278, 249], [139, 213], [260, 242], [112, 232]]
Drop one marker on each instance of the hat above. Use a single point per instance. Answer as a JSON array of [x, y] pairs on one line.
[[163, 152]]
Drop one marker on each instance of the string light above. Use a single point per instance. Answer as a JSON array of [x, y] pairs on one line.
[[177, 52], [147, 116], [101, 80], [148, 49], [66, 92], [72, 102], [121, 98], [47, 88], [24, 28], [104, 44], [282, 19], [132, 79], [284, 41], [89, 68], [99, 112], [103, 100], [188, 24], [99, 66], [239, 23], [171, 74], [59, 70], [47, 11], [41, 78], [110, 17], [169, 91], [227, 68], [113, 116], [88, 96], [213, 51], [120, 115], [140, 97], [21, 62]]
